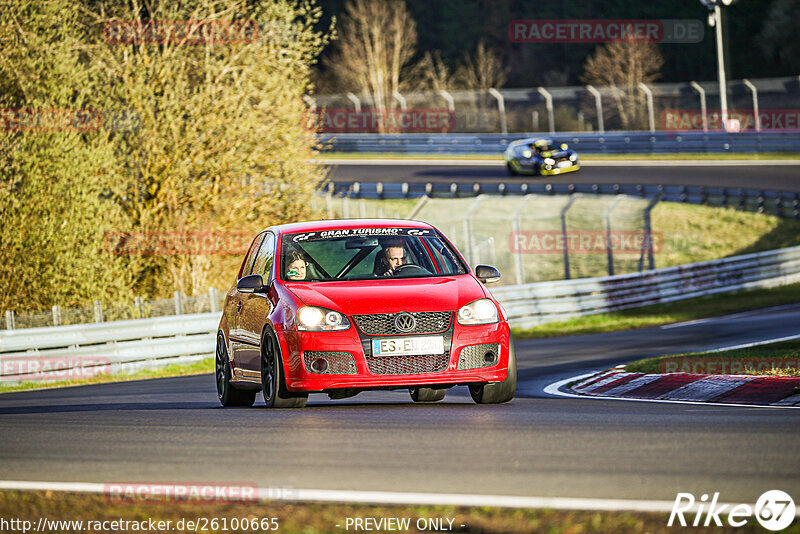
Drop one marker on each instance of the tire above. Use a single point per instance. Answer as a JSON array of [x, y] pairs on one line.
[[273, 383], [498, 392], [228, 395], [427, 394], [510, 170]]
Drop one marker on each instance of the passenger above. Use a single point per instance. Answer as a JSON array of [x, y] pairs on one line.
[[296, 270]]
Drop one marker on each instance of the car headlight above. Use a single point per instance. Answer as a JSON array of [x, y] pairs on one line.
[[314, 319], [482, 311], [573, 157], [527, 153], [550, 161]]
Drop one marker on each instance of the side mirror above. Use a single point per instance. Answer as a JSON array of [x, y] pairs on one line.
[[487, 274], [252, 283]]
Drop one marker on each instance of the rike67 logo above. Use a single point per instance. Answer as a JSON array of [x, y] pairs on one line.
[[774, 510]]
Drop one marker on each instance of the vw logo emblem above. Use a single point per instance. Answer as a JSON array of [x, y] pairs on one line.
[[405, 322]]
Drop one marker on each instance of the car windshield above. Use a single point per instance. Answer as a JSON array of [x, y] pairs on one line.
[[367, 253]]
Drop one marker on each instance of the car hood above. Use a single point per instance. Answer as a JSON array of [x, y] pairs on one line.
[[556, 154], [392, 295]]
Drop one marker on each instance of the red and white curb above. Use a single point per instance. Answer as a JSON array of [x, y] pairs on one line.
[[723, 389]]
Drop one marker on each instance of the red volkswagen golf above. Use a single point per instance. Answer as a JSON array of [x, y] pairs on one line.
[[341, 307]]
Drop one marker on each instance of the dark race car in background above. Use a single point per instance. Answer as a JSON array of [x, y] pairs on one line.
[[540, 157]]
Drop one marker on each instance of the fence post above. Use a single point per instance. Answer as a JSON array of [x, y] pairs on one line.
[[703, 109], [98, 311], [139, 303], [650, 112], [607, 221], [9, 320], [755, 102], [451, 103], [356, 102], [647, 242], [501, 109], [400, 98], [548, 102], [534, 121], [598, 102], [213, 299], [516, 226], [418, 207], [468, 228], [56, 315], [178, 303], [564, 233]]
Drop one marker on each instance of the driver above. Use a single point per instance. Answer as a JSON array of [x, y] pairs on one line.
[[391, 257]]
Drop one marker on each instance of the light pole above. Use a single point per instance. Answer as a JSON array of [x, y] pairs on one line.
[[715, 21]]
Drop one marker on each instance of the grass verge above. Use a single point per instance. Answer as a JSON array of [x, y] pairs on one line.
[[684, 310], [684, 156], [772, 359], [324, 518], [203, 366]]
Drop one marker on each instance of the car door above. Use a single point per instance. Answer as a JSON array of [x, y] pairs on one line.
[[233, 309], [255, 309]]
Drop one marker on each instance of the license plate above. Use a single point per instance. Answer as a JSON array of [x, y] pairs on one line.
[[562, 164], [408, 346]]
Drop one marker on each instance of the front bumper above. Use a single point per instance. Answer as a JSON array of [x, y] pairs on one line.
[[300, 379], [553, 172]]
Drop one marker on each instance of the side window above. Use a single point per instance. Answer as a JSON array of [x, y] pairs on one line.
[[247, 266], [265, 258]]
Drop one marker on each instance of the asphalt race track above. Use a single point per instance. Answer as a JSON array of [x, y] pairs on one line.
[[173, 430], [784, 176]]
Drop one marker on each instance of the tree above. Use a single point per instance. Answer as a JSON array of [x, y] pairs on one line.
[[482, 70], [622, 66], [377, 40], [220, 142]]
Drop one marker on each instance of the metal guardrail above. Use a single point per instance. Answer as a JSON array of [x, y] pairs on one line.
[[45, 352], [780, 203], [77, 350], [634, 142], [533, 304]]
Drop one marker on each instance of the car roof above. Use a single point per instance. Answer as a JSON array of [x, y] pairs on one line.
[[346, 224]]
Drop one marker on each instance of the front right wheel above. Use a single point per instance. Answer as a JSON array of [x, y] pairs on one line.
[[498, 392], [273, 383]]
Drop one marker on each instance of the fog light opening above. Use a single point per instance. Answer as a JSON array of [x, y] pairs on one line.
[[488, 357], [319, 365]]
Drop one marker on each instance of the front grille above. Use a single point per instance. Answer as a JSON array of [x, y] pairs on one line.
[[383, 324], [474, 356], [339, 363], [408, 365]]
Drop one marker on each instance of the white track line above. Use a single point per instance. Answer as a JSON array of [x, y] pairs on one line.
[[392, 497], [500, 163], [555, 390], [793, 305]]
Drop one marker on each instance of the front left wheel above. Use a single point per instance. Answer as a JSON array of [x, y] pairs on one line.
[[273, 383], [498, 392], [228, 395]]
